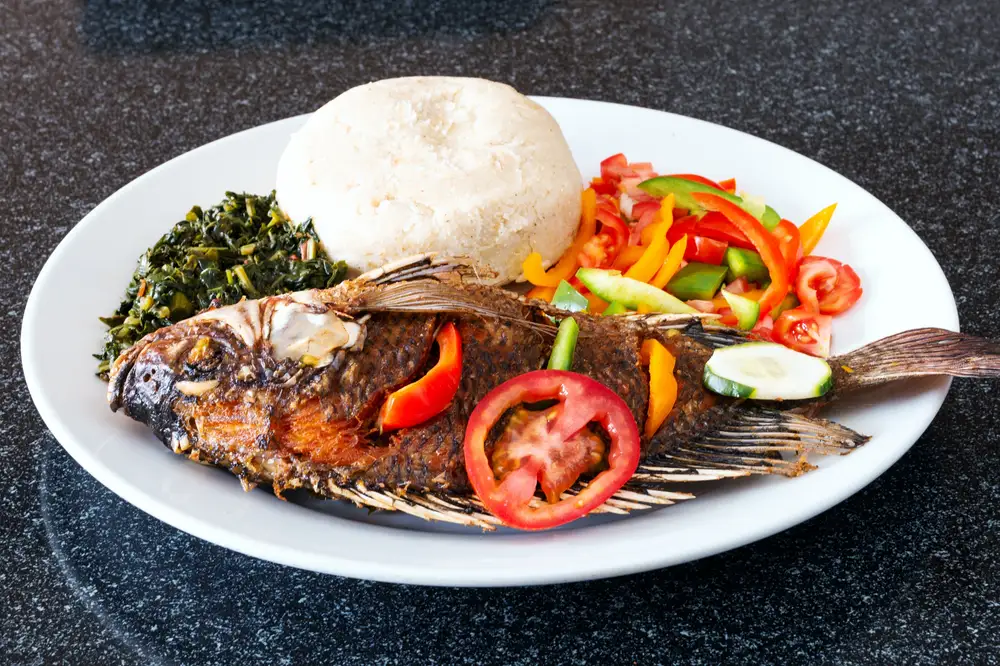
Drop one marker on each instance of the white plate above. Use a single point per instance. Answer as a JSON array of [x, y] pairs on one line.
[[86, 274]]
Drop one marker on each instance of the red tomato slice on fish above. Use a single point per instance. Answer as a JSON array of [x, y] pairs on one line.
[[705, 250], [549, 447], [804, 331], [827, 286]]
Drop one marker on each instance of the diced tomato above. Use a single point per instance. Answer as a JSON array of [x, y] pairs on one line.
[[613, 168], [702, 306], [611, 223], [711, 225], [764, 329], [601, 187], [738, 286], [549, 447], [598, 252], [804, 331], [698, 179], [705, 250], [790, 246], [643, 213], [827, 286]]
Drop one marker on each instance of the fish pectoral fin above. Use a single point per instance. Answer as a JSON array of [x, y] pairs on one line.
[[755, 440]]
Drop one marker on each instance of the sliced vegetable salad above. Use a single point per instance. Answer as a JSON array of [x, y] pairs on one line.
[[684, 243]]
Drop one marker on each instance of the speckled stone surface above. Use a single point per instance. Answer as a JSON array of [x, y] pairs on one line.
[[901, 97]]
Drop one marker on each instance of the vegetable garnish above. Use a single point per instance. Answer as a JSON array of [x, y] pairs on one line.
[[812, 229], [662, 384], [673, 243], [431, 394], [804, 331], [765, 243], [564, 345], [242, 247], [766, 371], [827, 286], [568, 263], [549, 447]]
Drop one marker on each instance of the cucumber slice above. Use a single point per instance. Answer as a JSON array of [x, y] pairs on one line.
[[615, 308], [613, 286], [747, 310], [766, 371], [564, 345], [568, 298]]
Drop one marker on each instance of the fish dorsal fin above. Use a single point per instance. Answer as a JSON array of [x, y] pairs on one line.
[[426, 265]]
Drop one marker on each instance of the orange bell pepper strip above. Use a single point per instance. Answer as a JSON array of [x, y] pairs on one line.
[[662, 385], [628, 256], [671, 264], [763, 241], [645, 269], [566, 267], [542, 293], [729, 185], [431, 394], [812, 229], [596, 305]]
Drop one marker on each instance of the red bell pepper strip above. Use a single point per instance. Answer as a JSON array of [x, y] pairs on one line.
[[711, 225], [698, 179], [431, 394], [765, 243], [790, 245]]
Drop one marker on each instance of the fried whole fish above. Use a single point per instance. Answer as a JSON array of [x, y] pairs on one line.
[[286, 391]]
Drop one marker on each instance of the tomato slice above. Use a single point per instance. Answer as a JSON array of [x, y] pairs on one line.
[[711, 225], [804, 331], [705, 250], [764, 329], [790, 244], [827, 286], [550, 447]]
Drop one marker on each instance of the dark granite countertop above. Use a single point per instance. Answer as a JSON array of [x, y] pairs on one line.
[[901, 97]]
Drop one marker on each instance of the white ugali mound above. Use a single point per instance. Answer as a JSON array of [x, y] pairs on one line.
[[453, 165]]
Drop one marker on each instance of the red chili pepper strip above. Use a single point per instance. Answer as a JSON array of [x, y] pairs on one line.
[[764, 242], [431, 394]]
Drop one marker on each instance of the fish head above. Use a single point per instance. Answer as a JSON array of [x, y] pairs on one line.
[[229, 350]]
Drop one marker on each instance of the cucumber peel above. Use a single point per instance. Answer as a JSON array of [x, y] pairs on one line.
[[561, 357], [613, 286], [766, 371], [747, 310]]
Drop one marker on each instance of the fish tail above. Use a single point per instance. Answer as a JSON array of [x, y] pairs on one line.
[[754, 441], [920, 352]]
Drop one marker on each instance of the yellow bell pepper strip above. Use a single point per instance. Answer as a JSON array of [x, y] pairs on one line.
[[643, 309], [812, 229], [671, 264], [628, 256], [542, 293], [763, 240], [662, 384], [566, 267], [652, 259]]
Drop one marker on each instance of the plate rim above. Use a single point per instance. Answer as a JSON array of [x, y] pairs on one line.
[[335, 563]]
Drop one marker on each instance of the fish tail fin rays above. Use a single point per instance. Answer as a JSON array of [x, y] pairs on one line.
[[757, 442], [922, 351], [427, 265]]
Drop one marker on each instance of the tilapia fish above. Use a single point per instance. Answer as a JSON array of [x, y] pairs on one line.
[[286, 391]]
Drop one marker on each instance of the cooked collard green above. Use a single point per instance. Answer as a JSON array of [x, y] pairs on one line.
[[242, 247]]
